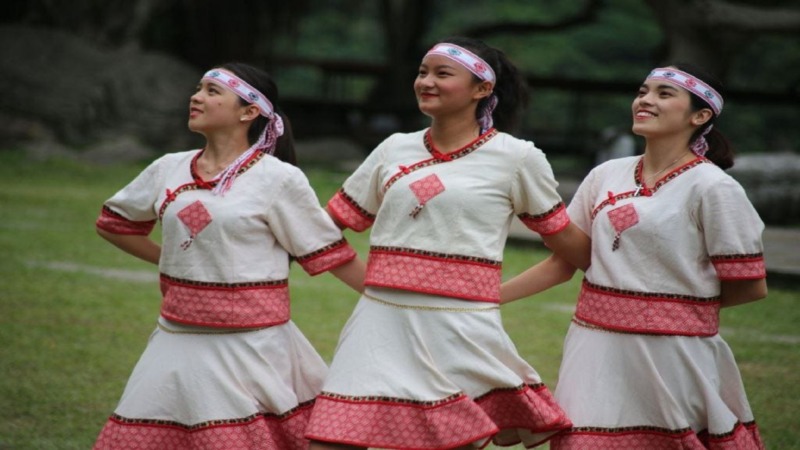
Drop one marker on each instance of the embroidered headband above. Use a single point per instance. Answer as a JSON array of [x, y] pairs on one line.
[[466, 58], [269, 136], [242, 89], [691, 84], [477, 66]]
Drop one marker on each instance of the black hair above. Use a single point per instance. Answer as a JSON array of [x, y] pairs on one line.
[[510, 87], [720, 150], [263, 82]]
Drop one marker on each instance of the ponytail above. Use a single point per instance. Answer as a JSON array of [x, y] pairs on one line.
[[720, 150], [260, 80]]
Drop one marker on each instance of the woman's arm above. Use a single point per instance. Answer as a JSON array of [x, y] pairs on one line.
[[739, 292], [352, 273], [137, 245], [572, 244], [548, 273]]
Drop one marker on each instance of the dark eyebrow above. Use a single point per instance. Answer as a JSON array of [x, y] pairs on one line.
[[660, 87], [667, 86], [437, 67]]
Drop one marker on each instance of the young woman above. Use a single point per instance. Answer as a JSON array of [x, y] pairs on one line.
[[424, 361], [226, 367], [674, 239]]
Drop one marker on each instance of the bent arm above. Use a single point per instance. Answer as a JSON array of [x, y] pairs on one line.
[[137, 245], [552, 271], [572, 244], [739, 292], [352, 273]]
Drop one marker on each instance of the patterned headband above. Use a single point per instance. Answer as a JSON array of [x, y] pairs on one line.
[[691, 84], [242, 89], [466, 58], [269, 136]]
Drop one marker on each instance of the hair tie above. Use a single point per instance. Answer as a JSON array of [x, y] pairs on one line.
[[700, 145], [485, 120], [269, 136]]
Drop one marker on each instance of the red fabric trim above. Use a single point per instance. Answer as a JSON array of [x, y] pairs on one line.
[[450, 277], [647, 313], [329, 258], [114, 222], [245, 305], [528, 407], [741, 437], [549, 223], [346, 212], [387, 424], [744, 268], [260, 432]]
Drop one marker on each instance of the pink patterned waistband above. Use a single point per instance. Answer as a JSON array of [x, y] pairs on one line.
[[647, 313], [457, 276], [225, 305]]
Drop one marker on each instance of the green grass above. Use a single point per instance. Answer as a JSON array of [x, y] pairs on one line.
[[71, 329]]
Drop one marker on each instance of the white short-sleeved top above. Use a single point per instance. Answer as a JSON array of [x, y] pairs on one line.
[[225, 258], [440, 222], [664, 249]]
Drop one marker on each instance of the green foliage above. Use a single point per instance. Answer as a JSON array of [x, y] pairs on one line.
[[76, 312]]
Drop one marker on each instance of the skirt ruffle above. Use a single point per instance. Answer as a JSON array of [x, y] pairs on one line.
[[205, 388], [423, 372], [630, 391]]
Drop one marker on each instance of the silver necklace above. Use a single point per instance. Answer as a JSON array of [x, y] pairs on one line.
[[643, 184]]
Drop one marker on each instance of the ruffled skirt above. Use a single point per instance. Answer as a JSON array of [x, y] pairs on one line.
[[415, 371], [205, 388], [629, 391]]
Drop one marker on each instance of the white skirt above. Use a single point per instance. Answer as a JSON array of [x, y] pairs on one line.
[[426, 372], [197, 387], [646, 391]]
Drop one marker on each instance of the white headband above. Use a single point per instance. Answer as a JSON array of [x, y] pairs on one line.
[[691, 84], [466, 58], [269, 136], [242, 89]]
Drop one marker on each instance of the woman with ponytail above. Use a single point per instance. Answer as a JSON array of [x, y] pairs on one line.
[[674, 239], [424, 361], [225, 366]]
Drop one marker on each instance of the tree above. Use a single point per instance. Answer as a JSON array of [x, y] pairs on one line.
[[712, 33]]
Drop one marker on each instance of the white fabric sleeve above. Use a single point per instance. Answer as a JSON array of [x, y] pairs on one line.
[[357, 202], [533, 194], [303, 227], [732, 230]]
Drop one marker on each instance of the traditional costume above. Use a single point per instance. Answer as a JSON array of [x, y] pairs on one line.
[[225, 368], [424, 362], [644, 365]]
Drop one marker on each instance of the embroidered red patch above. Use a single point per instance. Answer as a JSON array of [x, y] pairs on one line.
[[196, 217], [621, 219], [425, 189]]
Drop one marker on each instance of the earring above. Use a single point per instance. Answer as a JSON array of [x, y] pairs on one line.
[[242, 119]]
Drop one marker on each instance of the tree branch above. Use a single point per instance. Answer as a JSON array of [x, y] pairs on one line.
[[587, 14], [740, 17]]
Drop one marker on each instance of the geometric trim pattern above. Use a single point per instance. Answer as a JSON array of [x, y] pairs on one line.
[[647, 313], [259, 431], [741, 437], [228, 305], [437, 274]]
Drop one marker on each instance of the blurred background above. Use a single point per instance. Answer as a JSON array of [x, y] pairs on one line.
[[109, 80]]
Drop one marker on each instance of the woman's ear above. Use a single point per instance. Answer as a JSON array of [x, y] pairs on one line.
[[701, 117], [483, 90], [251, 112]]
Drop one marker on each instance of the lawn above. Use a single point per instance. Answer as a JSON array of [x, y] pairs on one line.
[[75, 313]]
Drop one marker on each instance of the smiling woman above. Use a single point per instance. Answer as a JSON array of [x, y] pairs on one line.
[[424, 361], [226, 367], [644, 365]]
